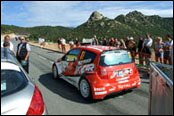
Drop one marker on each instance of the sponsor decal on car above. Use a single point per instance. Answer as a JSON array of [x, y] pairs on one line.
[[85, 68], [61, 66], [123, 86], [64, 65], [99, 89], [85, 61], [123, 81], [100, 93], [121, 73], [112, 89]]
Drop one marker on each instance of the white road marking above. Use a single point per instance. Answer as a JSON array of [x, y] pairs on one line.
[[42, 57]]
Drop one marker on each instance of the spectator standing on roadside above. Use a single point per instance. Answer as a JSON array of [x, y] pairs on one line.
[[158, 48], [23, 53], [95, 40], [116, 43], [39, 41], [167, 47], [105, 43], [140, 53], [7, 40], [63, 41], [111, 42], [6, 45], [132, 47], [71, 43], [59, 44], [77, 42], [127, 41], [147, 44], [122, 44]]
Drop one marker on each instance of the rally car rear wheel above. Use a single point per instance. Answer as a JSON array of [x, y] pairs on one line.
[[85, 89]]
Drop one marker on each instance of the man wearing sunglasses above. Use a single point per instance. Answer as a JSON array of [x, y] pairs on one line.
[[23, 53]]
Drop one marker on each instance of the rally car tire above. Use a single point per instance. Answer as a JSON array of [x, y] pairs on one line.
[[55, 72], [85, 89]]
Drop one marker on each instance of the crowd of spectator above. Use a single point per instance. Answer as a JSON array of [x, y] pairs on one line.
[[142, 49]]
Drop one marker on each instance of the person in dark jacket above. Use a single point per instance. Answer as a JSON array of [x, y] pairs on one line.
[[127, 41], [95, 40], [140, 53], [105, 43], [23, 53], [59, 44], [132, 48]]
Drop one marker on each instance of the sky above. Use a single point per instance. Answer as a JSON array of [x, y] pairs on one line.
[[74, 13]]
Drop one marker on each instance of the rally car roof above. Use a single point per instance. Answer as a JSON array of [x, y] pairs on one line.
[[98, 48]]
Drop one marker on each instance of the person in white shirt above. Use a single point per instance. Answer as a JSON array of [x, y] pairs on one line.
[[7, 40], [23, 53], [63, 41], [71, 43], [167, 47], [147, 44]]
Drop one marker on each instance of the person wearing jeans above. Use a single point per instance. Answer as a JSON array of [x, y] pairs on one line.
[[147, 44]]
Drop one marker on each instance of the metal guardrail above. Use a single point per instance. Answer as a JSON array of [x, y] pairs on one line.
[[144, 66], [161, 89]]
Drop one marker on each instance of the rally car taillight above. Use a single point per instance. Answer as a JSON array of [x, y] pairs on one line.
[[135, 69], [103, 74], [37, 103]]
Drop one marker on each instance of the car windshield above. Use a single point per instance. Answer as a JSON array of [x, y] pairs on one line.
[[115, 57], [12, 81]]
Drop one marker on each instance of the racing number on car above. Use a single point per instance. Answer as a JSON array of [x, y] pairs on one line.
[[130, 56], [82, 55]]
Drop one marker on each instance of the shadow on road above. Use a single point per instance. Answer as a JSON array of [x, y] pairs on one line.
[[68, 91], [62, 88], [144, 76]]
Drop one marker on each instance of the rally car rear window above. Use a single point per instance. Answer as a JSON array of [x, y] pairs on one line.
[[115, 57]]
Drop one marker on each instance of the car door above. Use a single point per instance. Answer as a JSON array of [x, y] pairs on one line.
[[85, 62], [69, 62]]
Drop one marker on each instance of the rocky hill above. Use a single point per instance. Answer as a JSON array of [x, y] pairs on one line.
[[132, 24]]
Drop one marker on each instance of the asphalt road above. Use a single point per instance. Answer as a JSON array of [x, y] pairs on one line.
[[64, 99]]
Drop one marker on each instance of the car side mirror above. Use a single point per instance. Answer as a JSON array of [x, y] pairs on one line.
[[64, 58], [75, 59]]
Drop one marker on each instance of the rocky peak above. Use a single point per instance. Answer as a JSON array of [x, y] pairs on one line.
[[95, 16], [135, 14]]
